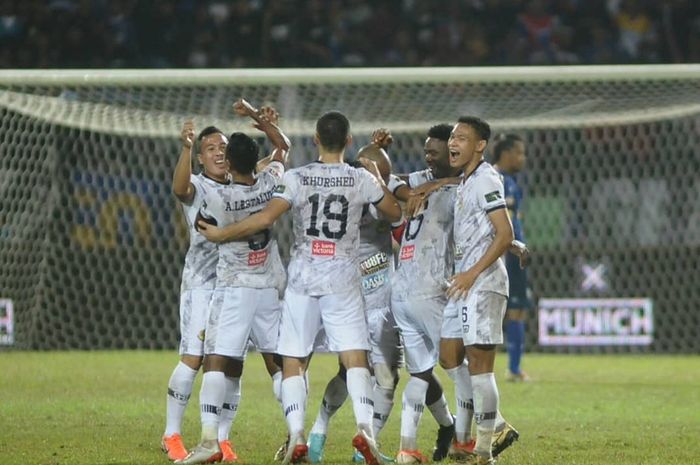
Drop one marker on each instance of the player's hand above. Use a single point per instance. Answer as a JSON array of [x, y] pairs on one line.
[[382, 138], [461, 283], [242, 108], [187, 134], [416, 201], [522, 252], [211, 232], [269, 114], [266, 114], [371, 166], [414, 205]]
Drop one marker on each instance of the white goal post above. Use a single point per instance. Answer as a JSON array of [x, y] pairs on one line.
[[92, 241]]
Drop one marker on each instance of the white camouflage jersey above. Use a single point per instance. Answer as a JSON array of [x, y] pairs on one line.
[[376, 254], [478, 195], [199, 271], [426, 257], [253, 262], [327, 202]]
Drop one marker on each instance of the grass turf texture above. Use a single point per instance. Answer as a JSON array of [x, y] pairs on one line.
[[109, 408]]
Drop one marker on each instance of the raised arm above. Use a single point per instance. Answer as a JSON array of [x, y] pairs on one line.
[[265, 119], [263, 219], [182, 187], [388, 205]]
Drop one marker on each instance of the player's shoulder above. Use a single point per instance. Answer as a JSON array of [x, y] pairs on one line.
[[274, 169], [485, 172], [417, 178]]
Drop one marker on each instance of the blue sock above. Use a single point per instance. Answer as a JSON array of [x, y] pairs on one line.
[[515, 335]]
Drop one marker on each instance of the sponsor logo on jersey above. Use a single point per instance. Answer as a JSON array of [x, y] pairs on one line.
[[323, 248], [492, 196], [375, 281], [376, 262], [257, 257], [407, 252]]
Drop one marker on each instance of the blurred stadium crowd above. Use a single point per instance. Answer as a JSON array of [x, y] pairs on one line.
[[320, 33]]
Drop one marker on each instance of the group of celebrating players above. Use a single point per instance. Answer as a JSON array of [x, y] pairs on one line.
[[363, 280]]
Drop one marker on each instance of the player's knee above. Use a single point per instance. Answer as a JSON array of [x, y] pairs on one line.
[[192, 361], [386, 377]]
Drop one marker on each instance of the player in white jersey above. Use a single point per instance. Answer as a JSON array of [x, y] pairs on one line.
[[245, 303], [376, 266], [479, 289], [326, 199], [198, 274], [451, 346], [424, 263]]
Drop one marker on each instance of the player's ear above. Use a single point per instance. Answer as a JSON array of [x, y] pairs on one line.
[[481, 145], [317, 140], [348, 140], [199, 159]]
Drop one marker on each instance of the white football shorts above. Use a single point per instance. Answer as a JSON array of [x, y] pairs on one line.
[[341, 315], [240, 314]]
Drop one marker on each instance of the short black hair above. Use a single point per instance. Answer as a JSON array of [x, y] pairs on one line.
[[333, 129], [440, 131], [481, 127], [242, 153], [208, 131], [504, 142]]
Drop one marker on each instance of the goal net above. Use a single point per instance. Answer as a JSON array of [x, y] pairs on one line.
[[92, 241]]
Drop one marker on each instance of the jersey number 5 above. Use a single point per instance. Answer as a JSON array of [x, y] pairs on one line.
[[332, 202]]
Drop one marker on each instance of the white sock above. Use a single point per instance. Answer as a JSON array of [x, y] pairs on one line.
[[211, 399], [360, 391], [333, 397], [294, 403], [465, 404], [277, 385], [229, 409], [485, 410], [179, 392], [441, 411], [383, 402], [413, 404]]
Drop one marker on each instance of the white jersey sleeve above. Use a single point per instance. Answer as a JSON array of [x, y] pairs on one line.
[[276, 169], [369, 187], [287, 188], [417, 178], [394, 183], [490, 192]]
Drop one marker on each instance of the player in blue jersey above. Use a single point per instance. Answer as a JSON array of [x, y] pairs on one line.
[[509, 159]]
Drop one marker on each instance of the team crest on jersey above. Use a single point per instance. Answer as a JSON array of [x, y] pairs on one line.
[[323, 248], [280, 189], [492, 196]]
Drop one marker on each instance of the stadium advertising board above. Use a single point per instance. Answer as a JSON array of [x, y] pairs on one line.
[[7, 332], [595, 322]]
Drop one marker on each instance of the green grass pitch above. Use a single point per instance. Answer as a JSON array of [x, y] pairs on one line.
[[108, 408]]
